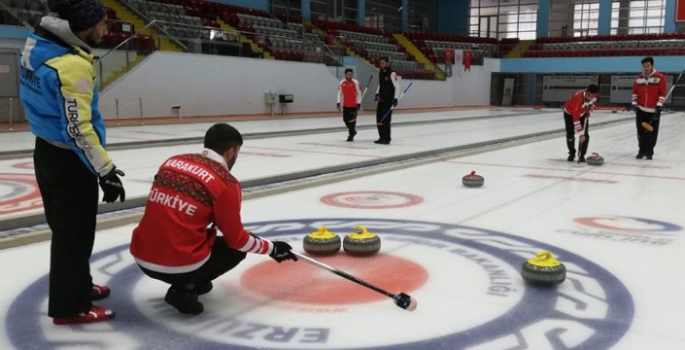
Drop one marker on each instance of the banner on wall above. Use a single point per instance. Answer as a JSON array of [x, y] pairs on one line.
[[508, 93], [680, 11], [558, 88], [622, 88]]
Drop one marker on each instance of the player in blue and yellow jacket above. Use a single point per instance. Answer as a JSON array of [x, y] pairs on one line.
[[61, 98], [59, 93]]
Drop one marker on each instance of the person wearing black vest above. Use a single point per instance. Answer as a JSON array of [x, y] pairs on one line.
[[386, 95]]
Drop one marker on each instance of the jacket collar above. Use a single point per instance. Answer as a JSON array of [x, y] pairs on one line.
[[208, 153], [59, 31]]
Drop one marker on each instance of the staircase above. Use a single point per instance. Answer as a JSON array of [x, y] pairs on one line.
[[121, 71], [125, 14], [352, 53], [419, 56], [520, 49], [244, 39]]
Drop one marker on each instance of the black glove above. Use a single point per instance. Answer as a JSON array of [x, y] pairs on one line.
[[282, 252], [359, 106], [632, 107], [375, 97], [337, 105], [659, 109], [394, 102], [112, 187]]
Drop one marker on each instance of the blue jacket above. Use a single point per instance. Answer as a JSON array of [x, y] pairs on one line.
[[60, 96]]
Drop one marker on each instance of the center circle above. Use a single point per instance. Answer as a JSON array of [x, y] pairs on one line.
[[305, 283]]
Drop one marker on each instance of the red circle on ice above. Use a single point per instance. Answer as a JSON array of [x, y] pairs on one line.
[[18, 192], [371, 200], [303, 283]]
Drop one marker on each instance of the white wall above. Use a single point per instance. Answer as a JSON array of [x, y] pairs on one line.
[[216, 85], [472, 88]]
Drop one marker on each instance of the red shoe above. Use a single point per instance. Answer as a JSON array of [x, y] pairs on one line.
[[96, 314], [99, 292]]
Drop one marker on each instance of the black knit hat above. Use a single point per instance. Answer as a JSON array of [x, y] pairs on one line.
[[81, 14]]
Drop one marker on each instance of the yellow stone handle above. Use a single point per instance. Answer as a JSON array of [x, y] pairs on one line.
[[544, 258], [361, 233], [544, 255], [322, 233]]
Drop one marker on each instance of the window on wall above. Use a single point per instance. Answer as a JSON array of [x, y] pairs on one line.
[[638, 17], [646, 17], [350, 10], [334, 10], [585, 19], [423, 15], [473, 19], [286, 7], [615, 14], [384, 14], [527, 24], [321, 9], [503, 19]]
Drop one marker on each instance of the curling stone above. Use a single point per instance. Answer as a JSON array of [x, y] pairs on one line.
[[362, 242], [322, 242], [543, 270], [595, 159], [473, 180]]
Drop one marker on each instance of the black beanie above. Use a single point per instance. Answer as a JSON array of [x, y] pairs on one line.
[[81, 14]]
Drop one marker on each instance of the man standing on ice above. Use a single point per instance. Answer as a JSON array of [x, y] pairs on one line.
[[351, 96], [59, 93], [649, 95], [194, 194], [387, 94]]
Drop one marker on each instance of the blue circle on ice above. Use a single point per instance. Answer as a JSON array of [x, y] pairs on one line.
[[543, 315]]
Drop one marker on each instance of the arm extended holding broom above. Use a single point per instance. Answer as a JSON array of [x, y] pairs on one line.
[[657, 114], [400, 299], [398, 99]]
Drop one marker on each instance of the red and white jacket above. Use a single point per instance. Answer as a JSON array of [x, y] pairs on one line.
[[350, 93], [577, 106], [649, 92], [190, 193]]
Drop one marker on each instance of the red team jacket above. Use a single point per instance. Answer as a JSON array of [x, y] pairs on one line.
[[191, 192], [576, 106], [350, 92], [649, 92]]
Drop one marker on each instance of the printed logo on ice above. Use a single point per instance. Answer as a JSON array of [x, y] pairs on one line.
[[18, 192], [466, 280], [625, 229]]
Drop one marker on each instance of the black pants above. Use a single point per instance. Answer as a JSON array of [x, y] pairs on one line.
[[384, 124], [571, 135], [646, 139], [350, 119], [222, 260], [70, 199]]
